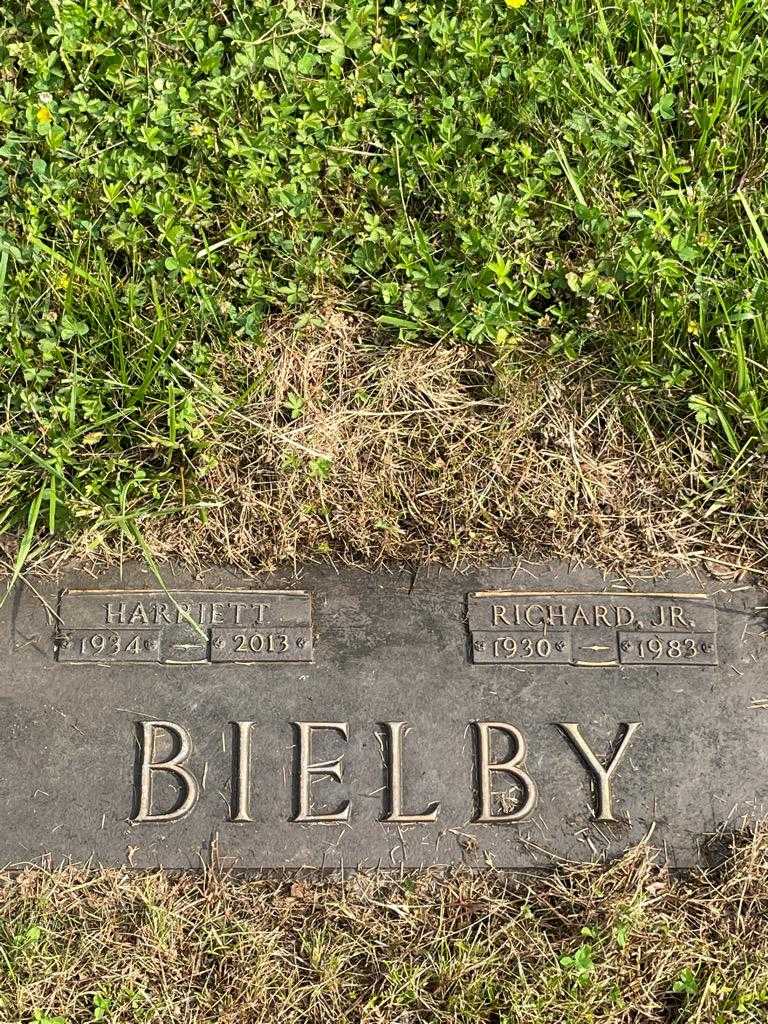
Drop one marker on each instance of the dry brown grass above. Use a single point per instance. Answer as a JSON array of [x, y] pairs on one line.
[[416, 453], [325, 445], [620, 944]]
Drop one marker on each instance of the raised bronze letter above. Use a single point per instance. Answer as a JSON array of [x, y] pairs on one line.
[[395, 771], [499, 613], [676, 617], [601, 615], [486, 768], [600, 776], [242, 801], [328, 769], [114, 615], [174, 765], [529, 620], [559, 610], [662, 618], [260, 609], [620, 621]]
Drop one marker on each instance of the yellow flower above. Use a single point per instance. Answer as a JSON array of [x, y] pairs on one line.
[[515, 3], [44, 116]]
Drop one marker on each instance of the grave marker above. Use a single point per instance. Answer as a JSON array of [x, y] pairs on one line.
[[378, 720]]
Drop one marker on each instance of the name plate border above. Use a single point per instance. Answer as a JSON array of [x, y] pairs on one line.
[[477, 634], [62, 632]]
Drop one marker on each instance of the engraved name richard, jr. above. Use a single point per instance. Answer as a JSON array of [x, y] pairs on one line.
[[592, 629], [576, 613]]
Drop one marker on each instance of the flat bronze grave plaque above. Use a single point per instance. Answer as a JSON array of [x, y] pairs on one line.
[[500, 717]]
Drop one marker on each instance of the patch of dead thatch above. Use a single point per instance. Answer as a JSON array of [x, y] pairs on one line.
[[615, 945], [408, 452], [325, 445]]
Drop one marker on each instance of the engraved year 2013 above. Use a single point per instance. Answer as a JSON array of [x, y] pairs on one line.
[[257, 643]]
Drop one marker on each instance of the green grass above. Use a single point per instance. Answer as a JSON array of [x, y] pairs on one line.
[[573, 181]]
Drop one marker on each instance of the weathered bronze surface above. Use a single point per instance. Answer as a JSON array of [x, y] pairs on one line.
[[495, 717]]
